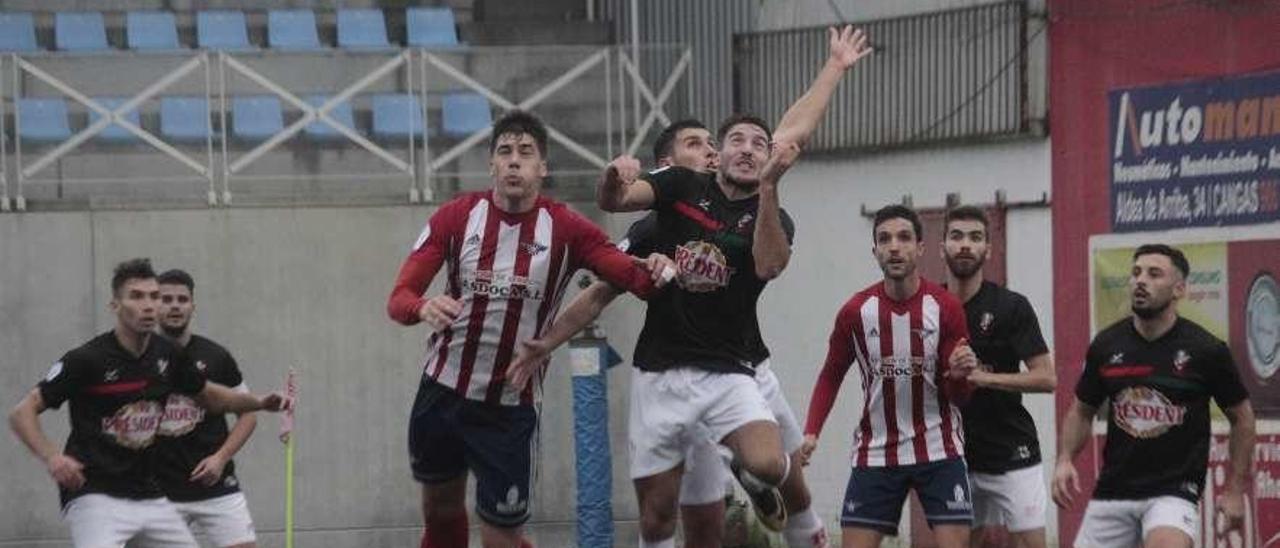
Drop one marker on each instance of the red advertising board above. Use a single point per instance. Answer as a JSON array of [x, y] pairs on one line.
[[1166, 50]]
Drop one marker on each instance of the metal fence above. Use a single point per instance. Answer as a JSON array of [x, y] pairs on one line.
[[942, 76], [112, 147]]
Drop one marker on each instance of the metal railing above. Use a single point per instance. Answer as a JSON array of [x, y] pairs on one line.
[[586, 95], [942, 76]]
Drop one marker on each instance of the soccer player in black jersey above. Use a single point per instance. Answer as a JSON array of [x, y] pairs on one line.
[[194, 448], [118, 384], [701, 348], [1000, 442], [1157, 370]]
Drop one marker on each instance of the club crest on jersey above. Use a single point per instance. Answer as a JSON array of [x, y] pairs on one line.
[[1145, 412], [984, 324], [701, 267], [532, 248], [1180, 360], [181, 415], [134, 425]]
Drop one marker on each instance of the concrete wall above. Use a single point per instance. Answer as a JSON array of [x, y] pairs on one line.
[[299, 287]]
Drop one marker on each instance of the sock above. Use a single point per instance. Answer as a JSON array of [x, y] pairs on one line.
[[805, 530], [668, 543], [446, 533]]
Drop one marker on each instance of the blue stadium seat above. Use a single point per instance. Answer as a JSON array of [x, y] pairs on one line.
[[151, 30], [464, 113], [222, 29], [114, 133], [256, 117], [17, 32], [79, 31], [362, 29], [340, 113], [43, 120], [396, 115], [184, 118], [292, 29], [431, 27]]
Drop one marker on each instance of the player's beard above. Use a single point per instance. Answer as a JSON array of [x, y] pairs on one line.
[[174, 332], [962, 271], [1150, 311]]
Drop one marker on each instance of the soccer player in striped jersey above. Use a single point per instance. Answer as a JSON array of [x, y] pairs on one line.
[[908, 336], [508, 255]]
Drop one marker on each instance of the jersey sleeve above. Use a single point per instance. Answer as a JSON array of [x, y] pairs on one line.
[[1224, 377], [229, 374], [840, 355], [955, 333], [183, 375], [425, 259], [639, 241], [1026, 339], [66, 377], [591, 249], [669, 184], [1090, 389]]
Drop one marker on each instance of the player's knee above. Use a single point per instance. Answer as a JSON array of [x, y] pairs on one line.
[[657, 521], [771, 469]]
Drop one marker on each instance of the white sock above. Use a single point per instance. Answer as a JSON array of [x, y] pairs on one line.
[[805, 530], [668, 543]]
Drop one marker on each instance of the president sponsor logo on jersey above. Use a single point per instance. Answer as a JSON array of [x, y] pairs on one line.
[[1146, 413], [181, 415], [134, 425], [701, 267]]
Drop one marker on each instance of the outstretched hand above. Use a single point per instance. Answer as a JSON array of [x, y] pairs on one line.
[[848, 45], [785, 154]]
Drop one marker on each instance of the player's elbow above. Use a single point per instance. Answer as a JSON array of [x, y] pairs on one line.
[[1048, 382], [768, 269]]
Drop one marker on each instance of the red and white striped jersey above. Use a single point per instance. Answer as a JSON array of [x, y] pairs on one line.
[[509, 272], [909, 414]]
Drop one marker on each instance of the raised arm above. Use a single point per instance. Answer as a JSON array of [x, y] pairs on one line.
[[620, 188], [847, 47], [770, 247]]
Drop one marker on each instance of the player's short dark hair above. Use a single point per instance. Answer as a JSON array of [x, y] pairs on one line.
[[897, 211], [741, 118], [177, 276], [966, 213], [666, 140], [519, 122], [132, 269], [1174, 254]]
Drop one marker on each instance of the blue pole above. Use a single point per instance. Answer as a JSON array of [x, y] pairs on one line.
[[591, 357]]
